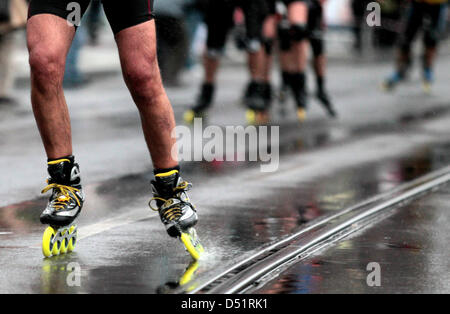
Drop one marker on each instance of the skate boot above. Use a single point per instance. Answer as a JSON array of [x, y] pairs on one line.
[[256, 102], [64, 206], [392, 81], [177, 213], [204, 101], [325, 101], [427, 80], [298, 87]]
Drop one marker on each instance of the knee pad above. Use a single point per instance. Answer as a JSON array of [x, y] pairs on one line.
[[284, 36], [214, 53], [253, 45], [317, 46], [298, 32]]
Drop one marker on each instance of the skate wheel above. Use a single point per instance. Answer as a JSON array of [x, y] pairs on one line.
[[426, 88], [47, 241], [250, 115], [301, 114], [73, 239], [57, 246], [64, 244], [189, 116], [192, 244]]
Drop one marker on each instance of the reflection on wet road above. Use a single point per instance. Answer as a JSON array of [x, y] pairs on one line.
[[123, 247], [410, 246]]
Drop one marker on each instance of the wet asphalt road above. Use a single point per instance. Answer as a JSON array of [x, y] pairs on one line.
[[325, 166], [410, 246]]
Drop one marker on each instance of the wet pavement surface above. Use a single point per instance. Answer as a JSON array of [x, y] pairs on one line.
[[410, 247], [325, 166], [130, 252]]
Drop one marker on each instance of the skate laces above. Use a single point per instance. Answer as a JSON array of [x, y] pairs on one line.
[[63, 196], [174, 210]]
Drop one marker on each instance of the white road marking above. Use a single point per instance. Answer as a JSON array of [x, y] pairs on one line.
[[5, 233]]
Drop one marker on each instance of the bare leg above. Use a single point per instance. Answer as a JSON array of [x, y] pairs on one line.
[[429, 56], [269, 32], [49, 39], [137, 50], [298, 15], [256, 65], [211, 66], [319, 64]]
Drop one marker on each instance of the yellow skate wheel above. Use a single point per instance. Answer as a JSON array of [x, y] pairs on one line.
[[426, 88], [64, 244], [250, 115], [194, 248], [189, 116], [56, 247], [301, 114], [47, 247], [73, 239]]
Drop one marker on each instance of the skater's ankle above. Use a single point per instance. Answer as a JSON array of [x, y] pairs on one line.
[[63, 171], [161, 172]]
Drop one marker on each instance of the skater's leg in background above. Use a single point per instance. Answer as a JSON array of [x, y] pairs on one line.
[[255, 14], [413, 24], [49, 38], [257, 65], [218, 19], [6, 67], [269, 37], [211, 66], [298, 17], [432, 35], [137, 50]]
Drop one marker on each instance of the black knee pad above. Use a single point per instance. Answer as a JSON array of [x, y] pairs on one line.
[[253, 45], [284, 35], [298, 32]]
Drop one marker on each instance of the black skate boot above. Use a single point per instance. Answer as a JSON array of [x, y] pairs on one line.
[[203, 102], [256, 102], [267, 95], [323, 97], [63, 207], [177, 213], [325, 101], [298, 87]]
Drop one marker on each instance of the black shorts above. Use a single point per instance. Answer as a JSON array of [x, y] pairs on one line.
[[219, 19], [316, 27], [430, 17], [315, 19], [121, 14]]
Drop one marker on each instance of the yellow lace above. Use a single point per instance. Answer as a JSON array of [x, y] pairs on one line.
[[174, 212], [63, 195]]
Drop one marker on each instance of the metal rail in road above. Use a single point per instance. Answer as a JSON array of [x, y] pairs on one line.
[[248, 273]]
